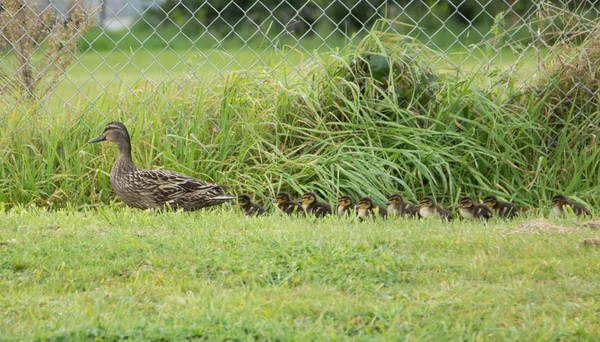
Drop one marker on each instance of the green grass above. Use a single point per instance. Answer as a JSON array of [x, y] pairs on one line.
[[116, 273], [260, 133], [73, 267], [323, 126]]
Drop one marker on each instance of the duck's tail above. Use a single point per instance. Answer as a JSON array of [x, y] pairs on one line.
[[221, 196], [224, 198]]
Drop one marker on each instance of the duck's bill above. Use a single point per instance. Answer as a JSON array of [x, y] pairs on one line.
[[97, 139]]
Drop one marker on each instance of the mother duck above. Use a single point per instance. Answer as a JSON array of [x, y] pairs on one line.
[[155, 189]]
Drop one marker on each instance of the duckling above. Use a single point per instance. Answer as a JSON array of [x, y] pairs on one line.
[[251, 209], [155, 189], [502, 209], [285, 204], [559, 202], [345, 206], [471, 211], [428, 208], [367, 210], [397, 207], [312, 206]]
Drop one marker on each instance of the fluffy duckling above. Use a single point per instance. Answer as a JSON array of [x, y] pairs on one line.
[[345, 206], [155, 189], [312, 206], [559, 202], [471, 211], [428, 209], [397, 207], [251, 209], [501, 209], [367, 210], [285, 204]]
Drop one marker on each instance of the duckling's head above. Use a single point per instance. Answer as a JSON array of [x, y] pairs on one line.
[[283, 197], [114, 131], [345, 201], [465, 202], [490, 201], [395, 199], [559, 200], [426, 201], [365, 203], [243, 200], [309, 198]]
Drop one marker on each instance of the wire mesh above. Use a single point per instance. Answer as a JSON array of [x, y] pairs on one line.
[[129, 49]]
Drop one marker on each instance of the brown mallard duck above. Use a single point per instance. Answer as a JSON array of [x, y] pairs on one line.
[[429, 209], [285, 204], [368, 210], [249, 207], [314, 207], [345, 206], [398, 208], [471, 211], [560, 205], [155, 189], [501, 209]]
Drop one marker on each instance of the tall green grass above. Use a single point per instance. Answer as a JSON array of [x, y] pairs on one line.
[[329, 132]]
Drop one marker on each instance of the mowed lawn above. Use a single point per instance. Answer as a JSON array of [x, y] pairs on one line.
[[112, 273]]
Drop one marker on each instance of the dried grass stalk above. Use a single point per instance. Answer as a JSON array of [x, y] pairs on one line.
[[42, 45]]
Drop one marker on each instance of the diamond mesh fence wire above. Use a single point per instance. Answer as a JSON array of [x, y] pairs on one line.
[[72, 57]]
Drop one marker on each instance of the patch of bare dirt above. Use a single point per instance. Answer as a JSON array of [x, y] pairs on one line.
[[592, 225], [590, 242], [542, 225]]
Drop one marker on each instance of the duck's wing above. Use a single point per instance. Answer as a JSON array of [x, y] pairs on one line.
[[579, 209], [445, 212], [323, 209], [170, 186]]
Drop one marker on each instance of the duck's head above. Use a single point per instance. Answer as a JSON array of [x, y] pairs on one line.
[[345, 201], [426, 202], [243, 200], [114, 131], [395, 199], [309, 198], [465, 202], [490, 201], [282, 197], [365, 203], [559, 201]]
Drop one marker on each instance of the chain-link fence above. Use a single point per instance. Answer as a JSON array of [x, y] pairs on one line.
[[67, 54]]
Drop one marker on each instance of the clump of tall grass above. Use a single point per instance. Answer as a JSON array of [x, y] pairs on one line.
[[260, 135], [381, 66]]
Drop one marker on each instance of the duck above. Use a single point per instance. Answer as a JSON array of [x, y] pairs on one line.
[[368, 210], [345, 206], [397, 207], [501, 209], [429, 209], [284, 202], [559, 202], [250, 208], [314, 207], [155, 189], [471, 211]]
